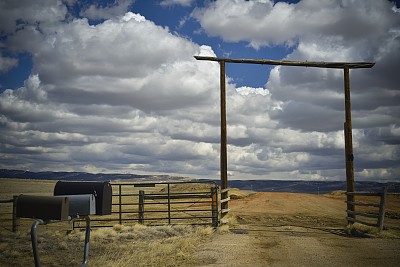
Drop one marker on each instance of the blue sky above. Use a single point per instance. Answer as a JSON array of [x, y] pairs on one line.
[[112, 86]]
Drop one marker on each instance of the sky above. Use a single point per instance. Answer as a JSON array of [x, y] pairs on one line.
[[113, 87]]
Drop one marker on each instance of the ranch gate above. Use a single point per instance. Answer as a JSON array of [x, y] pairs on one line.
[[160, 203]]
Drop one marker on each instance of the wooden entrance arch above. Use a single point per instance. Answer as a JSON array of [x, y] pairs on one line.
[[348, 135]]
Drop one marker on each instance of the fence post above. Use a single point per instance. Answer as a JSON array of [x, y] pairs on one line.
[[214, 206], [14, 215], [141, 206], [169, 205], [120, 204], [224, 200], [382, 208]]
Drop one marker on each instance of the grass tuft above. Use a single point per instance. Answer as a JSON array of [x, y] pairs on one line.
[[102, 234], [223, 229], [337, 193], [63, 245], [359, 229], [235, 193], [230, 220]]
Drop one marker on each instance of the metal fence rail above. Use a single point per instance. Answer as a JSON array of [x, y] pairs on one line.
[[378, 216], [161, 203]]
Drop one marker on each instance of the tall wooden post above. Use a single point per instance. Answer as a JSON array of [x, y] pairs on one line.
[[348, 141], [224, 153]]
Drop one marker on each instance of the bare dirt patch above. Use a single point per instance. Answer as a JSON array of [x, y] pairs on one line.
[[284, 229]]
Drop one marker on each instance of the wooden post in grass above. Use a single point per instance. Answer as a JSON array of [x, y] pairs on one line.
[[214, 206], [141, 206], [224, 153], [382, 205], [348, 142], [120, 204], [169, 204]]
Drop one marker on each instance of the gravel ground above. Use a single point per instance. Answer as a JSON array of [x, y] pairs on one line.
[[296, 230]]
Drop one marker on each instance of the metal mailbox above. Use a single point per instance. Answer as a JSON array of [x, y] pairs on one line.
[[81, 205], [101, 190], [46, 208]]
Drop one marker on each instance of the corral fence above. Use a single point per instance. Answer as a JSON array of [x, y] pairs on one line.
[[373, 213], [158, 203], [161, 203]]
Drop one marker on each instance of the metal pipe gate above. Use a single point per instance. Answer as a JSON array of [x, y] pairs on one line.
[[161, 203]]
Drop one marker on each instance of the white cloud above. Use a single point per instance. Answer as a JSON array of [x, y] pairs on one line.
[[106, 12], [146, 63], [141, 103], [16, 15], [7, 63], [185, 3], [261, 22]]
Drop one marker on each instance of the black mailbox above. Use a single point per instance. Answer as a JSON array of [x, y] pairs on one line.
[[42, 207], [101, 190], [81, 205]]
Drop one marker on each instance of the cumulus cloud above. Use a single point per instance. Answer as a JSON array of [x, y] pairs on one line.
[[351, 31], [185, 3], [147, 63], [106, 12], [111, 109], [15, 15], [7, 63], [263, 22]]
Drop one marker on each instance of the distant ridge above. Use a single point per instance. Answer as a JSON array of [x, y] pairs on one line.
[[76, 176], [311, 187]]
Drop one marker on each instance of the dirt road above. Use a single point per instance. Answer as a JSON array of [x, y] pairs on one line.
[[280, 229]]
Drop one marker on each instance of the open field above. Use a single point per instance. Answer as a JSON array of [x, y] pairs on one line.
[[265, 229]]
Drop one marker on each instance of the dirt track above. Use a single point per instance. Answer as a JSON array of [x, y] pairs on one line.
[[281, 229]]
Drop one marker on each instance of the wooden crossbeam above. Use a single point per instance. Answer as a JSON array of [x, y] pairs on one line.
[[315, 64]]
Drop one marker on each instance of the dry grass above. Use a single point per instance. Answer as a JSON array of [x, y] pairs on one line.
[[10, 187], [369, 231], [236, 193], [119, 246], [150, 246], [338, 193]]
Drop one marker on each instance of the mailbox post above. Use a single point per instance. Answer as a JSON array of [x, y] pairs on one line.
[[71, 200]]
